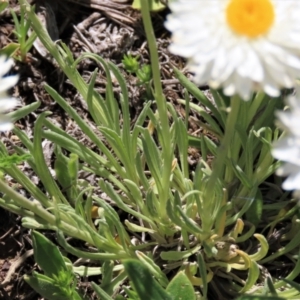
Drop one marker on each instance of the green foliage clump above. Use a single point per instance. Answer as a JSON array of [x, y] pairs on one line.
[[184, 233]]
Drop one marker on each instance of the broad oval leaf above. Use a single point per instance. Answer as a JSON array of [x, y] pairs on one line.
[[180, 288]]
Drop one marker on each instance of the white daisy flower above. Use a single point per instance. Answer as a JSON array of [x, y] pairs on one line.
[[6, 102], [287, 149], [239, 45]]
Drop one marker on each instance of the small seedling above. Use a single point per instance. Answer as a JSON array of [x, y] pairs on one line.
[[21, 31]]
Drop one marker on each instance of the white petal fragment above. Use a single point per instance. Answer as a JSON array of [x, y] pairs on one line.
[[287, 149], [6, 103]]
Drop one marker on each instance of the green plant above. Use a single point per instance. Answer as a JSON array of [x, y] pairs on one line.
[[180, 224], [130, 63], [58, 281], [155, 5], [179, 288], [7, 161], [143, 73], [19, 51], [3, 5]]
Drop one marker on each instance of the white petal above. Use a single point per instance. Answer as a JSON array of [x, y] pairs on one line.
[[287, 149], [8, 82], [8, 104], [5, 65], [5, 123], [292, 182]]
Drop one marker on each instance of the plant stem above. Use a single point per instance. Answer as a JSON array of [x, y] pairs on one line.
[[162, 108], [224, 148]]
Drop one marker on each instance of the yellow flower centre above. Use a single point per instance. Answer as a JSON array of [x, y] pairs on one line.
[[250, 17]]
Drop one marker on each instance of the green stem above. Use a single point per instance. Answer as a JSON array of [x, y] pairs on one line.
[[37, 209], [223, 150], [88, 255], [162, 108], [8, 205]]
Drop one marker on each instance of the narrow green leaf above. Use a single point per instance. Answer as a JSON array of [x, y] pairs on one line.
[[143, 282], [182, 142], [10, 49], [61, 169], [138, 126], [46, 287], [100, 292], [244, 208], [120, 150], [24, 111], [30, 41], [90, 100], [264, 248], [124, 100], [153, 268], [41, 166], [88, 255], [73, 167], [220, 102], [246, 182], [135, 194], [107, 188], [293, 244], [254, 212], [136, 228], [83, 126], [22, 179], [111, 102], [203, 274], [152, 205], [153, 158], [131, 294], [195, 141], [212, 125], [191, 225], [210, 145], [293, 284], [107, 271], [271, 287], [176, 255], [112, 215], [253, 274], [140, 169], [197, 93], [97, 162]]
